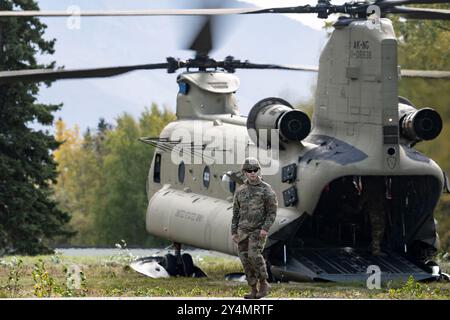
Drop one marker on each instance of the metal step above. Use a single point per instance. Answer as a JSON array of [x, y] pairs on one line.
[[344, 265]]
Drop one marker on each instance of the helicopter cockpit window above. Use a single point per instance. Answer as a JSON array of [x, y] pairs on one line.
[[181, 172], [183, 87], [206, 177], [157, 169]]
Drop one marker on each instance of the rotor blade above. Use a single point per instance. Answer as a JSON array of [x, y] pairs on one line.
[[203, 43], [392, 3], [148, 12], [230, 64], [37, 75], [421, 13], [431, 74], [298, 9], [248, 65], [323, 10], [406, 73]]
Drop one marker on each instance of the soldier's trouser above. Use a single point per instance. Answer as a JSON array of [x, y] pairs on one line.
[[250, 247]]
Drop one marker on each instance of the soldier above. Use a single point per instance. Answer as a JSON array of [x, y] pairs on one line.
[[372, 202], [254, 211]]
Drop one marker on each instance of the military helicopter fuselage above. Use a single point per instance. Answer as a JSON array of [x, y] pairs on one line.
[[320, 169], [359, 128]]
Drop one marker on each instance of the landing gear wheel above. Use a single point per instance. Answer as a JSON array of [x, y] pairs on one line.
[[188, 264], [445, 277], [269, 272], [272, 277], [170, 264]]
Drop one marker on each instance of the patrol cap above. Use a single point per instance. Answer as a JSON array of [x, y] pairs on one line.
[[251, 163]]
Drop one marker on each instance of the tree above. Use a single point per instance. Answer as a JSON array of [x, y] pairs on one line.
[[122, 200], [425, 44], [29, 217], [153, 121], [80, 163], [78, 177], [102, 178]]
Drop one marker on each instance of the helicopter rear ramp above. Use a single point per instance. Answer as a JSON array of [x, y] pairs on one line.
[[345, 265]]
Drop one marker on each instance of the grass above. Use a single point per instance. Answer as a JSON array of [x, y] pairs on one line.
[[59, 276]]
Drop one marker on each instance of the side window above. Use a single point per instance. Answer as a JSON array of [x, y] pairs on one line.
[[157, 169], [232, 186], [181, 172], [183, 88], [206, 177]]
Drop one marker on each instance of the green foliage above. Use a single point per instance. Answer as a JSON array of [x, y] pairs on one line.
[[15, 267], [128, 283], [414, 290], [443, 218], [29, 217], [119, 211], [75, 284], [48, 282], [79, 162], [44, 283], [102, 178], [307, 106], [14, 275], [122, 200], [124, 258], [425, 44]]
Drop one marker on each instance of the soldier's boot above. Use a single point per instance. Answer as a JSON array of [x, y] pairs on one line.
[[376, 250], [253, 294], [264, 288]]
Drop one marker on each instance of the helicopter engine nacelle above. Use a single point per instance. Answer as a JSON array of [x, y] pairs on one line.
[[275, 113], [417, 125]]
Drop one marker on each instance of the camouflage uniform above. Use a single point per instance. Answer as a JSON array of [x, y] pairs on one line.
[[372, 202], [254, 208]]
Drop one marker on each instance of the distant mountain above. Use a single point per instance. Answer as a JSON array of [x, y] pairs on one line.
[[124, 41]]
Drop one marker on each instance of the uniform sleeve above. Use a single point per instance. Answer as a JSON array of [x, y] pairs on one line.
[[271, 204], [236, 214]]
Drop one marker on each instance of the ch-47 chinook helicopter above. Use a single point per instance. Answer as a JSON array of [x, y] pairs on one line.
[[360, 127]]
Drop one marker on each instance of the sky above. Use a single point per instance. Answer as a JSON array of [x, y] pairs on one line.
[[125, 41]]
